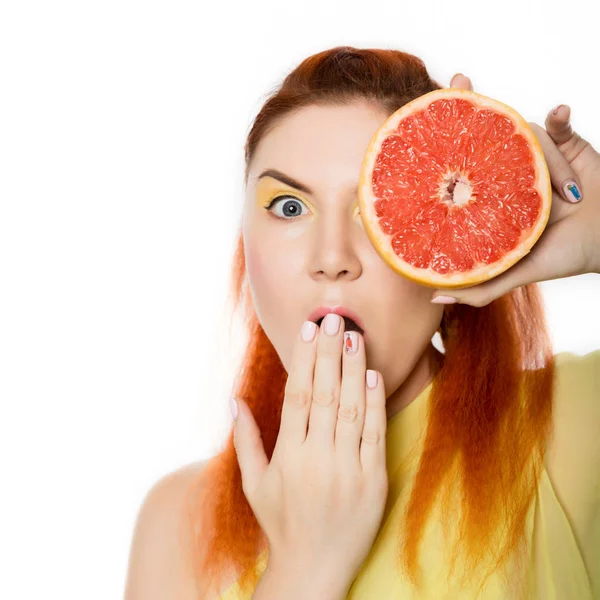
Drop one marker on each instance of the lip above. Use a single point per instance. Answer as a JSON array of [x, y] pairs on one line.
[[338, 309]]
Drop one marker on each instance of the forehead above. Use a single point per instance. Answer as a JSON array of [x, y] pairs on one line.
[[321, 145]]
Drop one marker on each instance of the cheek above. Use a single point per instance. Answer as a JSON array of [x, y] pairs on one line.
[[271, 298], [254, 265], [270, 269], [263, 272], [266, 278]]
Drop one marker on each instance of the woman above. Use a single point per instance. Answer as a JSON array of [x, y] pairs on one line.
[[480, 465]]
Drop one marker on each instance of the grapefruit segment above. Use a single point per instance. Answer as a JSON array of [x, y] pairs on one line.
[[454, 189]]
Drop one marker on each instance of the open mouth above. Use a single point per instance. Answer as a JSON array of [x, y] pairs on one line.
[[349, 325]]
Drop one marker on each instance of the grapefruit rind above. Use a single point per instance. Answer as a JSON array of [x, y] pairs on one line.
[[484, 271]]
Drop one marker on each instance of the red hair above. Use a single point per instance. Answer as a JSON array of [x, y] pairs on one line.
[[490, 406]]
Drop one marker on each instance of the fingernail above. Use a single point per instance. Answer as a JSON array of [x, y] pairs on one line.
[[371, 378], [234, 408], [572, 191], [457, 75], [350, 341], [332, 323], [308, 330], [443, 300], [555, 111]]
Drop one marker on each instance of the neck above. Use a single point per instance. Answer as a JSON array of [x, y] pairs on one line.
[[418, 379]]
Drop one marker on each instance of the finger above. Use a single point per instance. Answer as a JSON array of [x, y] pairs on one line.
[[562, 174], [550, 258], [558, 124], [298, 390], [373, 441], [577, 151], [461, 81], [351, 414], [559, 208], [326, 383]]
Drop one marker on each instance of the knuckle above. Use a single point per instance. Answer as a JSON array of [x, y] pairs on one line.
[[579, 145], [324, 397], [348, 413], [371, 436], [481, 302], [298, 397], [475, 301]]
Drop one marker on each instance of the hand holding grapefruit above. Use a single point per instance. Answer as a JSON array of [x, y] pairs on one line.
[[454, 189]]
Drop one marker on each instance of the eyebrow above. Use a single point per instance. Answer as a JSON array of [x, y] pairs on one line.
[[275, 174]]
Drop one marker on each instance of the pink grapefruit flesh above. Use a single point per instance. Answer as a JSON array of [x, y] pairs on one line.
[[454, 189]]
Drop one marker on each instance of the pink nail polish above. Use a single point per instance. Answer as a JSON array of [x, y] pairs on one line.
[[371, 378], [443, 300]]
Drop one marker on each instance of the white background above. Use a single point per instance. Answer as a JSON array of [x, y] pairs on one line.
[[122, 126]]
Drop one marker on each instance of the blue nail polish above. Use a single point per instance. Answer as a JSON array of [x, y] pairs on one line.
[[572, 191]]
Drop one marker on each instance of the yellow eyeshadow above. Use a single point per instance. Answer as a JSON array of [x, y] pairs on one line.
[[267, 189]]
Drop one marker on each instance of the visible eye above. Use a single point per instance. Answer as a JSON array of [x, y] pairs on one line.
[[290, 207]]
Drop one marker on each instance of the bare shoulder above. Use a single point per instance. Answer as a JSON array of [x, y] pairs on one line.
[[159, 555]]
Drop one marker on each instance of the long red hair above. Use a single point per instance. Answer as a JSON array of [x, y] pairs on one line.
[[490, 406]]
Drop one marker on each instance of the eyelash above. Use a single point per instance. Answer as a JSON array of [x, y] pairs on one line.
[[276, 199], [281, 197]]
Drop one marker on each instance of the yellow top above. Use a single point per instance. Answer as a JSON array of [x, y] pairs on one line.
[[563, 524]]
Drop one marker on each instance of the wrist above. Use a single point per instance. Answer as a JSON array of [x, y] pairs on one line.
[[299, 584]]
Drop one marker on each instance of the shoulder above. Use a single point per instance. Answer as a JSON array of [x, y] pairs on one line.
[[159, 555]]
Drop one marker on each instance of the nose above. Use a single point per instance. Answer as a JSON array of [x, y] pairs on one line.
[[334, 248]]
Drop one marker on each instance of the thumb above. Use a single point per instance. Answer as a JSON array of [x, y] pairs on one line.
[[249, 448]]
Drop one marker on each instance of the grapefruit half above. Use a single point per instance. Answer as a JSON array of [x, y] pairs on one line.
[[454, 189]]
